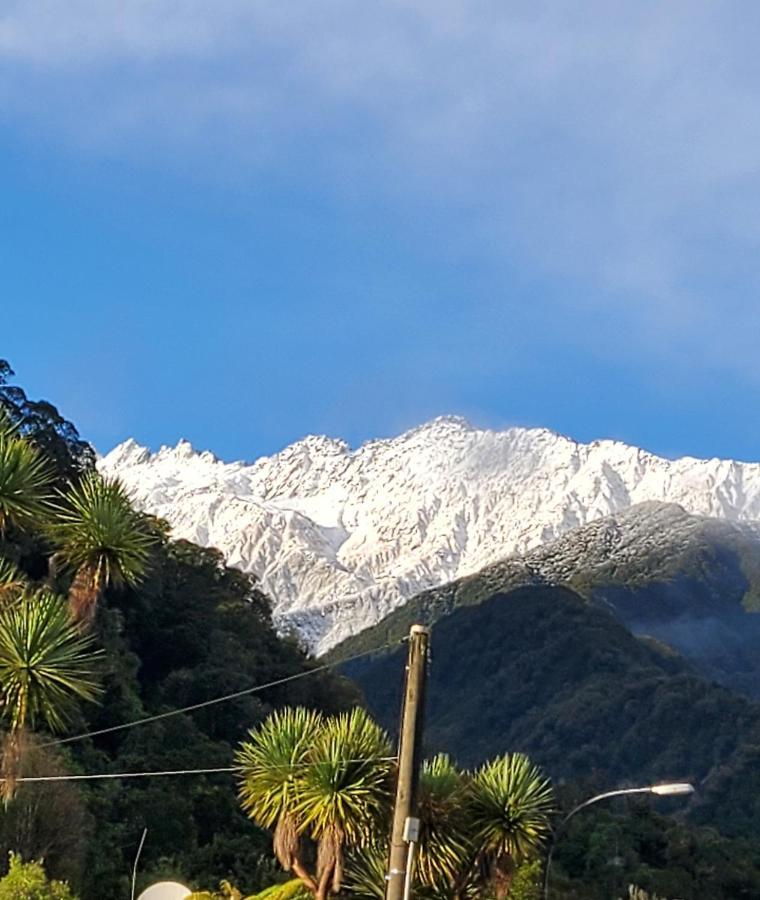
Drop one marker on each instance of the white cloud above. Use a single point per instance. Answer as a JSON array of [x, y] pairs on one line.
[[613, 142]]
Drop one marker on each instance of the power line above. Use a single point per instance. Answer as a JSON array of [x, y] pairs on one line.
[[245, 692], [114, 775], [213, 771]]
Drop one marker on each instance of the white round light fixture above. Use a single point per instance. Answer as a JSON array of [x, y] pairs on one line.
[[165, 890]]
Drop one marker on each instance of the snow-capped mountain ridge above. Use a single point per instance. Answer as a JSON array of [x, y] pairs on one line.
[[341, 536]]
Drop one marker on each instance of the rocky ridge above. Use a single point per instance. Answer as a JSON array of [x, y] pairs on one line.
[[341, 537]]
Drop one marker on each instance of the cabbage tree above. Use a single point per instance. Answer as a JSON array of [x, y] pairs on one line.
[[101, 539]]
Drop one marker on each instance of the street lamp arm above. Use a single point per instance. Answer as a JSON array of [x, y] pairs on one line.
[[621, 792], [661, 790]]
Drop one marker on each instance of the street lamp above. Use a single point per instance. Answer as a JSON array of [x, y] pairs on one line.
[[676, 789]]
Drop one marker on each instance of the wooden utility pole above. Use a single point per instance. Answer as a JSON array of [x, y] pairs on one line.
[[409, 749]]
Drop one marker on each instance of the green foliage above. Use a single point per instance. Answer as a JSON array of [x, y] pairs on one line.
[[41, 422], [527, 882], [188, 630], [47, 820], [600, 702], [510, 805], [7, 428], [291, 890], [327, 779], [12, 581], [101, 538], [608, 847], [25, 484], [45, 662], [271, 765], [192, 630], [345, 787], [324, 778], [444, 848], [686, 580], [28, 881], [635, 893], [272, 761]]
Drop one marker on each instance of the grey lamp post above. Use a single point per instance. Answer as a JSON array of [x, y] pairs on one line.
[[661, 790]]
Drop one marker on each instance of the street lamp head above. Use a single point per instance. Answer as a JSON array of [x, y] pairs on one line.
[[672, 790]]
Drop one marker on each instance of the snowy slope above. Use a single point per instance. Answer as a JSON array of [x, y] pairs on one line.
[[340, 537]]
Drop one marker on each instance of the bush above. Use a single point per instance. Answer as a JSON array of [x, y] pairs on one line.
[[28, 881]]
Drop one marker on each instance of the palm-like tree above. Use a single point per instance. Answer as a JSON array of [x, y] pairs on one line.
[[443, 861], [25, 481], [45, 669], [444, 852], [344, 792], [510, 804], [323, 779], [328, 780], [475, 830], [270, 765], [102, 539]]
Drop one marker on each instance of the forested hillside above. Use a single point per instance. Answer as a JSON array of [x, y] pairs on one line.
[[691, 582], [540, 670], [192, 630]]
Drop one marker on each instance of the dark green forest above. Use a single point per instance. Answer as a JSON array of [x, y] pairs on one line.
[[540, 670], [193, 630]]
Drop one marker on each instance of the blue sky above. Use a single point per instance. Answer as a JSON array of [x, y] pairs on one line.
[[243, 222]]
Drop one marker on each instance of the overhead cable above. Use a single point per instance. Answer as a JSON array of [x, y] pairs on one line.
[[227, 697]]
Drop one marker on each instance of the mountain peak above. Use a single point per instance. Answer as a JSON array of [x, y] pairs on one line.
[[340, 537], [127, 453], [443, 425]]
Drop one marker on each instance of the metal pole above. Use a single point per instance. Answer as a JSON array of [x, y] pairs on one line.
[[410, 740], [137, 860], [409, 870]]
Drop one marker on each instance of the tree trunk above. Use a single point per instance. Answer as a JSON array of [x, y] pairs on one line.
[[13, 749], [324, 884], [298, 868], [502, 884], [84, 594]]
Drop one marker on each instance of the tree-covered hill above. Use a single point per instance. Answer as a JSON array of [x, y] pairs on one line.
[[193, 629], [689, 581], [539, 670]]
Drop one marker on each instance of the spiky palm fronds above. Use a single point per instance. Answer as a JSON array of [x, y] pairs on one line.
[[269, 766], [7, 428], [346, 783], [102, 539], [444, 852], [45, 663], [345, 790], [12, 582], [510, 805], [366, 868], [25, 482]]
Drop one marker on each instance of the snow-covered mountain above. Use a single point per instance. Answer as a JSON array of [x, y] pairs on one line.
[[340, 537]]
